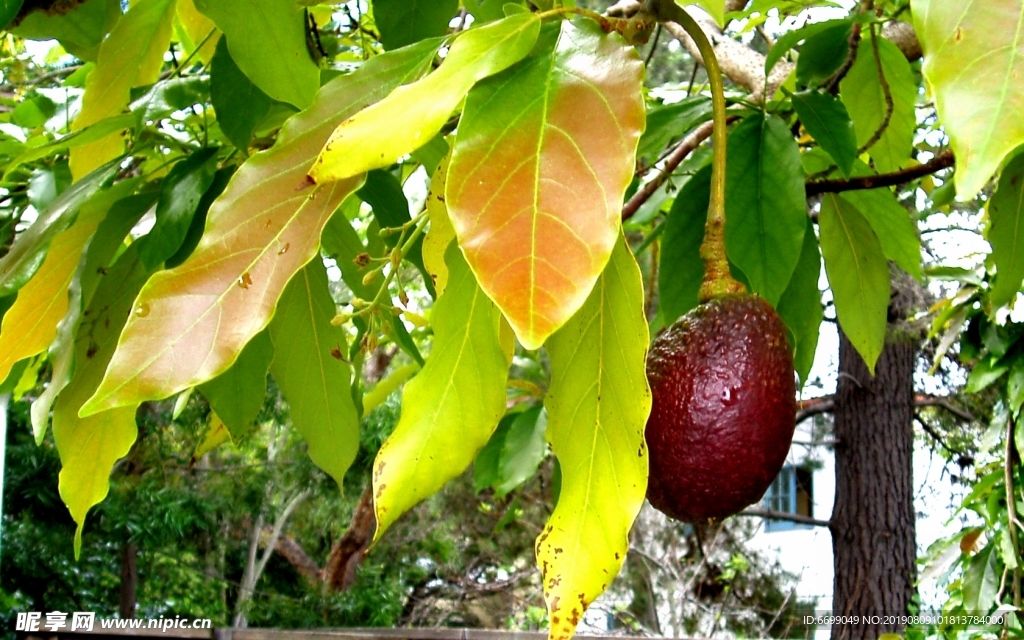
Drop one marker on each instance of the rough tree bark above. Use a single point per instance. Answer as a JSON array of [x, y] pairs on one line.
[[129, 580], [872, 525]]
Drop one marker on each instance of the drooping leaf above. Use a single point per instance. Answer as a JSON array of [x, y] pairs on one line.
[[800, 304], [452, 406], [974, 58], [240, 105], [681, 269], [85, 136], [101, 251], [826, 119], [180, 193], [823, 53], [542, 158], [891, 221], [130, 57], [597, 408], [30, 247], [441, 232], [194, 319], [1006, 232], [198, 224], [30, 325], [765, 204], [862, 92], [267, 40], [981, 581], [236, 395], [217, 433], [403, 22], [80, 31], [89, 447], [522, 451], [310, 369], [858, 275], [413, 114]]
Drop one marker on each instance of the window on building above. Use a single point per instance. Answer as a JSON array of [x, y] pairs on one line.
[[791, 492]]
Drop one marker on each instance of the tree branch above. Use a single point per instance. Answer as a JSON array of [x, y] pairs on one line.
[[815, 406], [685, 147], [782, 515], [924, 400], [943, 160]]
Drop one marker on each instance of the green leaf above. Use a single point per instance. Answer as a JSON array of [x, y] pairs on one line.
[[33, 112], [666, 123], [597, 408], [1015, 386], [858, 275], [862, 92], [240, 105], [267, 40], [823, 53], [403, 22], [981, 582], [485, 467], [236, 395], [408, 118], [89, 447], [130, 57], [800, 304], [85, 136], [790, 39], [891, 222], [168, 96], [826, 119], [441, 232], [715, 8], [198, 224], [194, 319], [30, 247], [312, 373], [974, 58], [542, 159], [766, 206], [99, 255], [9, 9], [522, 451], [452, 406], [1006, 232], [984, 373], [80, 31], [180, 193], [1006, 550], [485, 10], [44, 185], [681, 268]]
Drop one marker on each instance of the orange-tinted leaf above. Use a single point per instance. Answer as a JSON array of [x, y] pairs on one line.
[[543, 156], [191, 322]]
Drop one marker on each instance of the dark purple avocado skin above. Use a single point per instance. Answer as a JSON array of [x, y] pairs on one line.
[[723, 411]]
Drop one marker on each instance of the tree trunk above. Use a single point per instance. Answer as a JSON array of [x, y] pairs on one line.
[[873, 537], [129, 579]]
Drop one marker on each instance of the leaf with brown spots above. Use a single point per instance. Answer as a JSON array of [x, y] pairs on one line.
[[597, 408], [191, 322], [543, 156]]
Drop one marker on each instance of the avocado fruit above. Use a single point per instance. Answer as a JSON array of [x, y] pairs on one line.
[[723, 408]]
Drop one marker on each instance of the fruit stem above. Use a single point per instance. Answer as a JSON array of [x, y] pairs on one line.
[[718, 280]]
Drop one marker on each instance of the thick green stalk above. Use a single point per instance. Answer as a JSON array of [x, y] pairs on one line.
[[718, 280]]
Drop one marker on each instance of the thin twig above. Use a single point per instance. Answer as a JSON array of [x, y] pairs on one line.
[[782, 515], [1011, 507], [943, 160], [685, 147], [886, 92], [923, 400], [654, 45]]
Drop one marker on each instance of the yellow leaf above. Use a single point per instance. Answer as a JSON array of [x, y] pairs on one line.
[[597, 408], [89, 447], [131, 56], [216, 434], [441, 231], [413, 114], [195, 28]]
